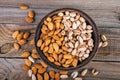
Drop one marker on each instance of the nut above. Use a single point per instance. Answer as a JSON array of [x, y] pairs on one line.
[[28, 62], [39, 77], [22, 42], [29, 19], [15, 34], [94, 72], [23, 6], [46, 76], [52, 74], [26, 35], [33, 77], [104, 44], [25, 67], [31, 13], [56, 47], [63, 76], [30, 73], [39, 43], [103, 37], [34, 55], [67, 56], [16, 46], [50, 25], [74, 74], [31, 59], [34, 70], [25, 54], [57, 76], [84, 72]]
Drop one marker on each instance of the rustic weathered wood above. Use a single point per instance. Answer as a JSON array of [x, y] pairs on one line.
[[102, 17], [11, 69], [110, 53]]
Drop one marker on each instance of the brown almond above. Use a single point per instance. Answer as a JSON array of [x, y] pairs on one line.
[[58, 42], [47, 42], [57, 63], [45, 49], [32, 42], [63, 72], [41, 70], [57, 76], [14, 35], [55, 37], [42, 46], [20, 36], [43, 64], [75, 62], [23, 6], [34, 55], [16, 46], [56, 47], [25, 54], [64, 48], [29, 19], [26, 35], [46, 76], [22, 42], [38, 66], [52, 74], [50, 59], [34, 70], [65, 65], [55, 56], [39, 77], [28, 62], [67, 56], [49, 19], [50, 26], [31, 13], [69, 61], [39, 43], [50, 50], [57, 25], [25, 67]]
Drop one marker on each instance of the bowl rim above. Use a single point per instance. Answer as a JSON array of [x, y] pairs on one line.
[[86, 61]]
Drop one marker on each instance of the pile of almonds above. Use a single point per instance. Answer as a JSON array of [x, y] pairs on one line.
[[21, 38], [66, 38], [31, 13]]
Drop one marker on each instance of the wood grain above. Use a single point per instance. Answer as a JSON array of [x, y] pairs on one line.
[[10, 69], [110, 53], [102, 17]]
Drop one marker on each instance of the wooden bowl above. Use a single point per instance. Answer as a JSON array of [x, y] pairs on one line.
[[95, 36]]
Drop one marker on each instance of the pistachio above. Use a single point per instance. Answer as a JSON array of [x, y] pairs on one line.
[[84, 72]]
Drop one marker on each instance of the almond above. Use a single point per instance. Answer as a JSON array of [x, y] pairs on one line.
[[50, 59], [63, 72], [43, 64], [55, 37], [45, 49], [55, 56], [57, 63], [67, 56], [57, 31], [57, 76], [64, 48], [65, 65], [46, 76], [22, 42], [63, 61], [20, 36], [29, 19], [61, 26], [34, 70], [50, 50], [69, 61], [34, 51], [51, 33], [49, 19], [28, 62], [34, 55], [42, 70], [52, 74], [75, 62], [39, 43], [38, 66], [16, 46], [25, 67], [31, 13], [23, 6], [26, 35], [39, 77], [25, 54], [14, 35], [42, 46], [58, 42], [44, 31], [47, 42], [57, 25], [56, 47], [50, 26]]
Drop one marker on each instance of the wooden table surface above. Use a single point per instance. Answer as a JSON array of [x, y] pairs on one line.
[[105, 13]]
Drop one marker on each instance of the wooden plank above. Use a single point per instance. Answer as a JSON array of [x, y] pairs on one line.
[[110, 18], [10, 69], [110, 53], [91, 4]]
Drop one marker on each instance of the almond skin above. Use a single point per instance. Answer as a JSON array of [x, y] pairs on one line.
[[31, 13], [29, 19], [23, 6], [46, 76], [25, 54], [16, 46], [14, 35], [52, 74], [22, 42], [28, 62], [25, 67], [26, 35], [39, 77]]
